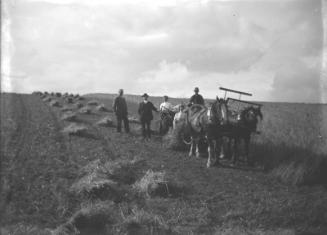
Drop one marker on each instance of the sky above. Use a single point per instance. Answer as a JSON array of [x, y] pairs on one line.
[[272, 49]]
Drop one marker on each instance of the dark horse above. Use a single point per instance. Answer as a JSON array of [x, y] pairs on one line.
[[242, 130]]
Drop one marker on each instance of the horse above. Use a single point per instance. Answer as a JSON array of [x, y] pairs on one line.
[[204, 123], [242, 130], [217, 120]]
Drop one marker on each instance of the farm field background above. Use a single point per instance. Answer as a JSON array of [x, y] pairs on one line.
[[288, 124], [94, 183]]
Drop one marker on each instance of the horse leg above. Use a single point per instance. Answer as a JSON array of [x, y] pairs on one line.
[[191, 148], [220, 148], [229, 148], [211, 152], [235, 152], [197, 150], [247, 150]]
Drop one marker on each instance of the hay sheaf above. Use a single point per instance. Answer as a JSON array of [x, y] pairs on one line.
[[101, 108], [106, 122], [54, 103], [75, 129], [92, 218], [79, 105], [47, 99], [122, 170], [69, 100], [66, 108], [80, 98], [154, 184], [85, 110], [106, 180], [174, 138], [24, 229], [97, 186], [132, 119], [69, 116]]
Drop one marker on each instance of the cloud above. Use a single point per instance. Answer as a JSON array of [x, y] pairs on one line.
[[100, 46], [176, 79], [169, 78], [297, 82]]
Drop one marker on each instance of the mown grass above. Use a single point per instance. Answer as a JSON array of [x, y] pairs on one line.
[[292, 145]]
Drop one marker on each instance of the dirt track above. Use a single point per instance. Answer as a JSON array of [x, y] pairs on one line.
[[40, 163]]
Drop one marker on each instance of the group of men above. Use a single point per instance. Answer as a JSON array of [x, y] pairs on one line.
[[145, 110]]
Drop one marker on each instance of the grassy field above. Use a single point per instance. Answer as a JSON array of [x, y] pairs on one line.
[[59, 178]]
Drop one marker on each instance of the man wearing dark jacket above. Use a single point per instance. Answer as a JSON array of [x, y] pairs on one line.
[[146, 116], [120, 109], [196, 98]]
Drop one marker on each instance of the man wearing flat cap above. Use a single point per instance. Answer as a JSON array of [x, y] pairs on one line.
[[196, 98], [120, 109], [145, 111]]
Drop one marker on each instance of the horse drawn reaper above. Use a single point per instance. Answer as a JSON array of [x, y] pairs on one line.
[[229, 118]]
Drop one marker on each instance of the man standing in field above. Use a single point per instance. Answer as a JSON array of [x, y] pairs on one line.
[[120, 109], [166, 106], [146, 116], [196, 98]]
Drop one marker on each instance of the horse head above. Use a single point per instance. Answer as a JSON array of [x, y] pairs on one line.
[[217, 112], [250, 115]]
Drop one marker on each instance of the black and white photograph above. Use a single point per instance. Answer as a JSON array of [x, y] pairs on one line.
[[182, 117]]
